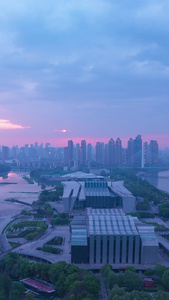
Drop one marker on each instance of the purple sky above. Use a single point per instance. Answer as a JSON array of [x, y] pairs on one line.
[[97, 69]]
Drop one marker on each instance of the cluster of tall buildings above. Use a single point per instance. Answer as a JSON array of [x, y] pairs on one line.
[[110, 154]]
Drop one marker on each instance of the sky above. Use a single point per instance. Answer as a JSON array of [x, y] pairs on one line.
[[85, 69]]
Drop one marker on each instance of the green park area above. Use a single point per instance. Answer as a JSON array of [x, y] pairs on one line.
[[28, 229], [128, 285], [70, 281]]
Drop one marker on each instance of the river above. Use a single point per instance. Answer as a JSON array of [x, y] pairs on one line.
[[14, 186], [158, 179]]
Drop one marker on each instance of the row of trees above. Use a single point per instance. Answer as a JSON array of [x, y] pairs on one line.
[[70, 281], [137, 186], [49, 196], [132, 281], [164, 210]]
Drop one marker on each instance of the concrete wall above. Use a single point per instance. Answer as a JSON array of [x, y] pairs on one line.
[[149, 254], [128, 204]]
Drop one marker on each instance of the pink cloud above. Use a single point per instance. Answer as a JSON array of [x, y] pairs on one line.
[[6, 124]]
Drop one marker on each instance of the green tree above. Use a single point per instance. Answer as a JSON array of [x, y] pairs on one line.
[[105, 270], [149, 272], [112, 279], [116, 292], [120, 279], [159, 270], [2, 295], [139, 295], [161, 295], [131, 269], [165, 279], [132, 280], [164, 210], [56, 270]]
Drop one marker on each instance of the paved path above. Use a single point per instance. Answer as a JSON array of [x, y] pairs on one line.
[[103, 291], [30, 248]]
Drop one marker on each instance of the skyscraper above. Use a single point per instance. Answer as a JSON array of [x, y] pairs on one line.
[[83, 153], [100, 153], [111, 152], [130, 153], [70, 151], [118, 153], [153, 150], [138, 152]]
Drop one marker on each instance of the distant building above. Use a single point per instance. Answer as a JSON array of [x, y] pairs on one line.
[[70, 151], [130, 153], [111, 152], [118, 153], [83, 153], [153, 152], [138, 151], [5, 153], [100, 153], [146, 154]]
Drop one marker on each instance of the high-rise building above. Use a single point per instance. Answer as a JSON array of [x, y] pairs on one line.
[[118, 153], [66, 155], [89, 153], [111, 152], [106, 154], [83, 153], [5, 152], [153, 152], [146, 154], [138, 151], [100, 153], [130, 153], [70, 151]]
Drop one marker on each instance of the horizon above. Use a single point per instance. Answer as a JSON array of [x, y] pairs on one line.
[[63, 142]]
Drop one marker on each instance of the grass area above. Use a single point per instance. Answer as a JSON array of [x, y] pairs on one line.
[[23, 224], [56, 241], [50, 249], [14, 245], [8, 225], [20, 235]]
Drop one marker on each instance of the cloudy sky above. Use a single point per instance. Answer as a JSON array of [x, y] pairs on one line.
[[89, 69]]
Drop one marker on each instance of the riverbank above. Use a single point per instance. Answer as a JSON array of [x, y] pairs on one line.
[[159, 179]]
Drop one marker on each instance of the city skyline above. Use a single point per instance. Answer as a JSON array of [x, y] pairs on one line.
[[61, 143], [83, 71]]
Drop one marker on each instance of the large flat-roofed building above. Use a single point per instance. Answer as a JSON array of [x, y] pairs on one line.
[[97, 194], [110, 236]]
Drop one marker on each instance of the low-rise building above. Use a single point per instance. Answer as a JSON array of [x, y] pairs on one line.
[[97, 194]]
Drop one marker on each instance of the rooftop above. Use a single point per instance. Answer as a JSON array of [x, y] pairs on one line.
[[118, 188], [147, 235], [42, 287], [82, 175], [111, 225]]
